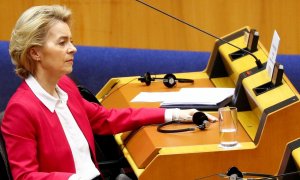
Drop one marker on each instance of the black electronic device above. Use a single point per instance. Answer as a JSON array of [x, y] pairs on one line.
[[276, 80], [277, 74], [199, 118], [169, 80], [252, 40], [234, 174], [251, 46], [257, 61]]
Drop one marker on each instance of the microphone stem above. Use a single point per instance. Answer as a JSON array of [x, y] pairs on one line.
[[257, 61]]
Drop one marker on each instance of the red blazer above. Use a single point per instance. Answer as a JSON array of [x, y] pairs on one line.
[[36, 145]]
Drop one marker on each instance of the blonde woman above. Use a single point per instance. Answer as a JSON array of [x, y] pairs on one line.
[[48, 127]]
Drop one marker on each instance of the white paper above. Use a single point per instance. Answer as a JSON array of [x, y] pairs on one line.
[[273, 53], [203, 96], [153, 96]]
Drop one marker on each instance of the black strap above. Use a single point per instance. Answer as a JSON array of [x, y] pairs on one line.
[[160, 127]]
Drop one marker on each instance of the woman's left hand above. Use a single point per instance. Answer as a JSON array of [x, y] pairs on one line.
[[187, 115]]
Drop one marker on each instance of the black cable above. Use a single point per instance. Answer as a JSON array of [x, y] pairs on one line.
[[160, 127], [257, 61], [111, 92]]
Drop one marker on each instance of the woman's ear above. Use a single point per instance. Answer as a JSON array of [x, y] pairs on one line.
[[34, 53]]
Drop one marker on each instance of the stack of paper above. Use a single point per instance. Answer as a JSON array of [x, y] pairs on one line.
[[187, 97], [203, 96]]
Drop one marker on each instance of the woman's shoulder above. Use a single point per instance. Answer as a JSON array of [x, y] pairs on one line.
[[23, 98], [23, 94], [22, 105]]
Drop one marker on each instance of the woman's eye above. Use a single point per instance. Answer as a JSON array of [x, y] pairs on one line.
[[62, 43]]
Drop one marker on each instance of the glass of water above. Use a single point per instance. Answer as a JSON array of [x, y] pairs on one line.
[[228, 127]]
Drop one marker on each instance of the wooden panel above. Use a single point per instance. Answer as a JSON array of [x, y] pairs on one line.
[[127, 23], [142, 150], [291, 159]]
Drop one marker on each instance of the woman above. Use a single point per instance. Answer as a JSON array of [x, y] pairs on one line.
[[48, 127]]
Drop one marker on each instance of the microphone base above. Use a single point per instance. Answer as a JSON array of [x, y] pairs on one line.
[[239, 54], [264, 88]]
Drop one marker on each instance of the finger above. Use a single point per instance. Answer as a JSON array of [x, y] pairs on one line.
[[211, 118]]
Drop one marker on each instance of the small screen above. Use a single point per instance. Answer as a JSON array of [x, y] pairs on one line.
[[275, 74], [252, 40]]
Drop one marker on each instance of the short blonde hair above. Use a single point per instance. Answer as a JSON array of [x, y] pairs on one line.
[[29, 31]]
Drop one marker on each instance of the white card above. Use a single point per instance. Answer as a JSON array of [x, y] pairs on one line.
[[273, 53]]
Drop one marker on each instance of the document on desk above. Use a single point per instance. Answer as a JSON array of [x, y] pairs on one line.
[[201, 96], [153, 96], [188, 97]]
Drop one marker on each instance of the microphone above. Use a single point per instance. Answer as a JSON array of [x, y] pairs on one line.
[[257, 61], [234, 173], [199, 118]]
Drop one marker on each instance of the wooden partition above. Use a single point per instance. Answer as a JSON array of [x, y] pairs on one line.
[[290, 163], [267, 121], [127, 23]]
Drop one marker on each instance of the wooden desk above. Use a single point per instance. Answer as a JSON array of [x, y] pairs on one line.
[[268, 123]]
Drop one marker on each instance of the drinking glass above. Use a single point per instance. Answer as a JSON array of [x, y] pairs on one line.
[[228, 127]]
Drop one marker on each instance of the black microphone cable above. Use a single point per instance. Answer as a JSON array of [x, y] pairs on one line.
[[111, 92], [234, 174], [257, 61]]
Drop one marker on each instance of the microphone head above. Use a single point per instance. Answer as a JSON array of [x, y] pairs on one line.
[[234, 172], [201, 120]]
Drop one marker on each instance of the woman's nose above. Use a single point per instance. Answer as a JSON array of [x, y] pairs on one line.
[[72, 49]]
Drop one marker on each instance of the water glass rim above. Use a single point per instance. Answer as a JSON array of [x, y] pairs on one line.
[[227, 107]]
